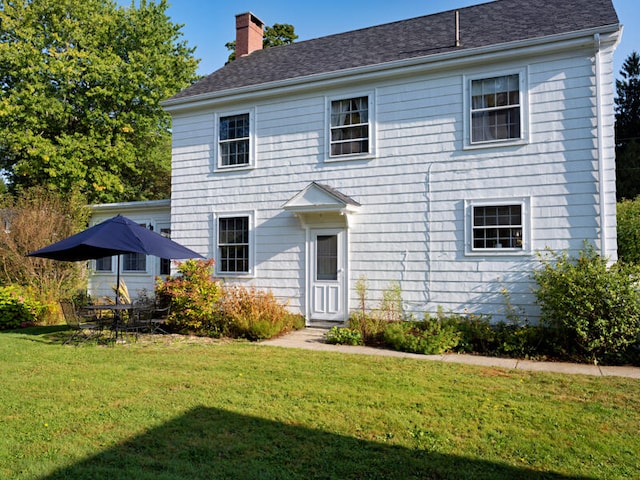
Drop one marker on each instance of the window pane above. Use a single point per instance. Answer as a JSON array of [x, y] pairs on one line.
[[233, 244], [350, 124], [165, 263], [234, 140], [497, 227], [495, 108], [103, 264], [327, 257], [236, 126], [134, 262]]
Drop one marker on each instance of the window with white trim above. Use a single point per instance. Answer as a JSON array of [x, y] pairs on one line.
[[234, 145], [350, 129], [496, 113], [234, 245], [498, 226]]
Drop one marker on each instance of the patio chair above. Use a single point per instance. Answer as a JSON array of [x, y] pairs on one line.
[[159, 318], [83, 325]]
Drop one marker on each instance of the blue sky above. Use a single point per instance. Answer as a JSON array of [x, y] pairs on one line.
[[209, 24]]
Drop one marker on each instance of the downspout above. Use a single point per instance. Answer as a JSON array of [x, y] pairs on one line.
[[601, 166], [428, 257]]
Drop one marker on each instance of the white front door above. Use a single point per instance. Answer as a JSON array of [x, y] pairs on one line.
[[327, 274]]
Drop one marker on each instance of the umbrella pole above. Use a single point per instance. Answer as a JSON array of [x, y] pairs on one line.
[[118, 281]]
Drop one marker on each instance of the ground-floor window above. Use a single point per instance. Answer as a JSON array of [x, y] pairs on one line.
[[233, 244], [498, 226], [104, 264]]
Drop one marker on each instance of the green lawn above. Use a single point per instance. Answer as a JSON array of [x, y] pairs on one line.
[[179, 409]]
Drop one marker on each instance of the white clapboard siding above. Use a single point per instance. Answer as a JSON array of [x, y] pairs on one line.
[[410, 228]]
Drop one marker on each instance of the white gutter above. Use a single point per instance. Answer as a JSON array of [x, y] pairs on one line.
[[452, 59], [145, 204]]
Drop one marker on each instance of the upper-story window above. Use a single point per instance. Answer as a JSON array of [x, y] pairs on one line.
[[350, 127], [234, 140], [496, 109]]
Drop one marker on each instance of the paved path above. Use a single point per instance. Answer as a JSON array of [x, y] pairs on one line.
[[313, 339]]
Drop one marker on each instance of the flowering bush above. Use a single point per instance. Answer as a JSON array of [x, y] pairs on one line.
[[16, 309], [193, 295]]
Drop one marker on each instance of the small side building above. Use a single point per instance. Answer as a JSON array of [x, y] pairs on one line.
[[137, 271]]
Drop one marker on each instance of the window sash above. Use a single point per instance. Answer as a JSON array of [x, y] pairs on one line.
[[165, 263], [233, 139], [104, 264], [349, 126], [233, 244], [134, 262], [495, 109], [497, 227]]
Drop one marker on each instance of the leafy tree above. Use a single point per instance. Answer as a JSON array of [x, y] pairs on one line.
[[279, 34], [628, 228], [80, 88], [628, 129]]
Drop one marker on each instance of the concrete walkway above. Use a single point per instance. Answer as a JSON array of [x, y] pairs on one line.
[[313, 339]]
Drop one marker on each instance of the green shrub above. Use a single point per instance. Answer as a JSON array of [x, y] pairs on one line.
[[255, 315], [430, 336], [344, 336], [628, 218], [591, 308], [193, 295], [476, 333], [16, 309]]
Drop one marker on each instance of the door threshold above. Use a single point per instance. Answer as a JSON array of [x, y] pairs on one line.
[[326, 324]]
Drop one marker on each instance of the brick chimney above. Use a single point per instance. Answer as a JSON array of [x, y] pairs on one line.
[[249, 31]]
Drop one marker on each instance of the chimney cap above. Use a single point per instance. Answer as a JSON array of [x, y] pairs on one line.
[[251, 16]]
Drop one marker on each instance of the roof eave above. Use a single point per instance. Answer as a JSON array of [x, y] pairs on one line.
[[446, 60]]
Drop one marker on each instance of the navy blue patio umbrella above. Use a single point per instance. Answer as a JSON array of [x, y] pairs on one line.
[[114, 236]]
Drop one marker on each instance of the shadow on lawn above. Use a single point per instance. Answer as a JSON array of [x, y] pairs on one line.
[[208, 443], [49, 334]]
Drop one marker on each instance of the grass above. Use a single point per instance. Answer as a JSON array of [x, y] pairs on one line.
[[185, 409]]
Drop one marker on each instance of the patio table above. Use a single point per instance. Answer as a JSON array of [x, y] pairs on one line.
[[117, 326]]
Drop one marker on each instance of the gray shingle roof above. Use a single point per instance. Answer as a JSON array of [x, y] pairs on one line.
[[493, 23]]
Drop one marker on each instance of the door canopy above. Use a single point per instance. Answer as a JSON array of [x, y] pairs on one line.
[[318, 200]]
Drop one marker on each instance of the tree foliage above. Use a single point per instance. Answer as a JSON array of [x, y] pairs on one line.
[[31, 221], [628, 129], [279, 34], [80, 88], [628, 229]]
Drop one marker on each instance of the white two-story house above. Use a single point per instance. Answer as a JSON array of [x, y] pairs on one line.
[[439, 153]]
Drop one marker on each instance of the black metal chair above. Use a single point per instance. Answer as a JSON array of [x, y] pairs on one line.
[[83, 324], [159, 318]]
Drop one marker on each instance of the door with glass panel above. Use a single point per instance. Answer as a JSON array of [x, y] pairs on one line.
[[327, 274]]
